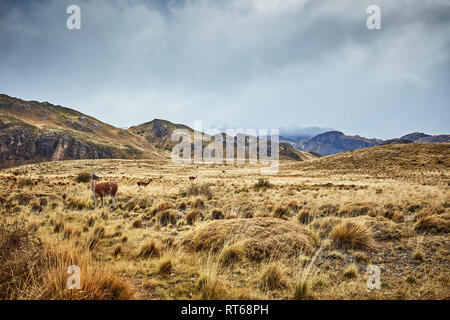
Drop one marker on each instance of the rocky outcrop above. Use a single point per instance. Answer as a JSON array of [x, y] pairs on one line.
[[23, 146]]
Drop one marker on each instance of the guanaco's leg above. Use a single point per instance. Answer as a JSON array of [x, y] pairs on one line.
[[114, 201]]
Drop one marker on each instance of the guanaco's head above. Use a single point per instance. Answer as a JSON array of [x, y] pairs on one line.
[[94, 177]]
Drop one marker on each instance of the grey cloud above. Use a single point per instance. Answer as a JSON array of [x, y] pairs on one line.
[[248, 63]]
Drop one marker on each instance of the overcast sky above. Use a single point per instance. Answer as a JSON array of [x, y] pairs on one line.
[[241, 63]]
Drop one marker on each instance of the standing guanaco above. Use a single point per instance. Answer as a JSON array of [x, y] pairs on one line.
[[102, 190]]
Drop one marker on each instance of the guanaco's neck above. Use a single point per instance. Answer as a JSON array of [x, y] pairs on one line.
[[92, 185]]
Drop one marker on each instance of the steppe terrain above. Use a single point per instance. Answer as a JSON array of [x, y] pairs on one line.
[[308, 232]]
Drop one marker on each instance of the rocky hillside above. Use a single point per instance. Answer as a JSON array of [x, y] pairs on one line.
[[333, 142], [32, 131]]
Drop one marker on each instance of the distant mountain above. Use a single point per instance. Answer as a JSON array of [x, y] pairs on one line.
[[426, 138], [32, 131], [440, 138], [294, 139], [415, 136], [333, 142], [158, 132], [396, 141]]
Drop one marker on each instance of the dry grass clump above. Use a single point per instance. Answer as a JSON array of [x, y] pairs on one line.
[[79, 203], [165, 266], [149, 250], [40, 272], [351, 234], [354, 209], [304, 216], [260, 237], [263, 184], [273, 277], [211, 288], [418, 255], [198, 203], [83, 177], [192, 216], [137, 223], [163, 206], [209, 285], [217, 214], [351, 272], [280, 212], [200, 190], [166, 217], [433, 224], [231, 255]]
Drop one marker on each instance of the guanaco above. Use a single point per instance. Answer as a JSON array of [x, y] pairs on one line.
[[143, 183], [192, 178], [102, 190]]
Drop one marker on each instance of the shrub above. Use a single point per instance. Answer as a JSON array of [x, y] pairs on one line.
[[262, 183], [304, 216], [83, 177], [418, 255]]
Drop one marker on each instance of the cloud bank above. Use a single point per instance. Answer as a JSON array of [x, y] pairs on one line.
[[250, 63]]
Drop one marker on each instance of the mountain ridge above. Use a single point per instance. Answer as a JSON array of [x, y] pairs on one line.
[[32, 131]]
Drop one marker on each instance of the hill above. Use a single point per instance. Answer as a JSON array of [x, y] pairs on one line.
[[385, 160], [32, 131]]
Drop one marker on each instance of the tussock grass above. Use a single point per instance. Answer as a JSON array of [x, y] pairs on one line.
[[350, 234], [149, 249], [40, 271], [273, 277]]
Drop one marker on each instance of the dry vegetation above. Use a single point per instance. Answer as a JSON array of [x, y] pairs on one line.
[[308, 232]]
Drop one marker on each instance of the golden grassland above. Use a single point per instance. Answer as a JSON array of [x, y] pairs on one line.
[[308, 232]]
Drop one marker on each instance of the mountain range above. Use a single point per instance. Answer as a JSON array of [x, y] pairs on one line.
[[333, 142], [32, 131]]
